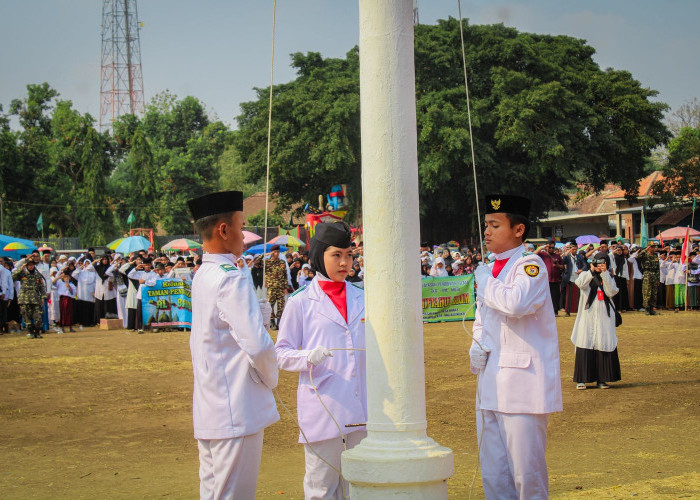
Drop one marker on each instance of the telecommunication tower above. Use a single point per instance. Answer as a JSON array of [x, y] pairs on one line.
[[121, 79]]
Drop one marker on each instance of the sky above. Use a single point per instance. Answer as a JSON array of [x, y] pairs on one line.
[[219, 50]]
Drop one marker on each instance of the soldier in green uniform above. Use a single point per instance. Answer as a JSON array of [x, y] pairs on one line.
[[649, 265], [32, 294], [276, 282]]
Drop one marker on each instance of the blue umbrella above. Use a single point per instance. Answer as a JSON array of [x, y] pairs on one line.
[[257, 249], [133, 244], [14, 254]]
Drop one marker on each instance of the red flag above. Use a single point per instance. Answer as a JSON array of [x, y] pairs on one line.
[[686, 246], [661, 241]]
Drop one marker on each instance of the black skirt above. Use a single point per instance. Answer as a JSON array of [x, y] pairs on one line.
[[85, 313], [596, 366]]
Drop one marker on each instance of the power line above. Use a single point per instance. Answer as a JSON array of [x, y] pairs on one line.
[[65, 206]]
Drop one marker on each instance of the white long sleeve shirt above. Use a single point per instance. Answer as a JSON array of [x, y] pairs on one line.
[[233, 357]]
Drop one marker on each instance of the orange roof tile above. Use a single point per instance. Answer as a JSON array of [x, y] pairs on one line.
[[645, 186]]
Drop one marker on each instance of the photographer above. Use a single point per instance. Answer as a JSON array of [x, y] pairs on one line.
[[594, 330]]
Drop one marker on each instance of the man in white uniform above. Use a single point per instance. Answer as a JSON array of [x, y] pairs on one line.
[[516, 355], [233, 357]]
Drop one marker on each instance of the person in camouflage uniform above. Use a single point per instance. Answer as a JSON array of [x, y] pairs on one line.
[[649, 265], [32, 294], [276, 282]]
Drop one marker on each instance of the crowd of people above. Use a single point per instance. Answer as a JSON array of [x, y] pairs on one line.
[[626, 263], [42, 291]]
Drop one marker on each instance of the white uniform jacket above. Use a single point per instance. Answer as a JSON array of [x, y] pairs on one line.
[[516, 322], [311, 320], [233, 356], [595, 327]]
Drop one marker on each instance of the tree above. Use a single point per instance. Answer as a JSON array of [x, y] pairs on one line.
[[687, 115], [545, 119], [315, 131], [258, 220], [682, 172]]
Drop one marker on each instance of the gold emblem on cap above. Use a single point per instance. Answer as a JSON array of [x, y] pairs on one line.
[[496, 204]]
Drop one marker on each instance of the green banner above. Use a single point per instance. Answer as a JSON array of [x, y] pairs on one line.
[[448, 298]]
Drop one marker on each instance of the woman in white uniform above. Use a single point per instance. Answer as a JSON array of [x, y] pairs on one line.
[[594, 330], [322, 334]]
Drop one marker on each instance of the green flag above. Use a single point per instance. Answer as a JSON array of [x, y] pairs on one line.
[[131, 218], [643, 238], [695, 203], [40, 222]]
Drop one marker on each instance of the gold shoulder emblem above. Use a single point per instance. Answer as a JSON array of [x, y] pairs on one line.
[[532, 270], [496, 204]]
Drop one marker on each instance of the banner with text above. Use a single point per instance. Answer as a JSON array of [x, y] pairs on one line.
[[168, 303], [448, 298]]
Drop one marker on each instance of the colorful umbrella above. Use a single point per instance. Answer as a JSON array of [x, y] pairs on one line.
[[133, 244], [249, 237], [259, 249], [113, 245], [586, 239], [16, 245], [678, 233], [41, 249], [181, 244], [287, 239]]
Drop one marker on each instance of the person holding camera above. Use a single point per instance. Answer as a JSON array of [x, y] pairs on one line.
[[594, 330]]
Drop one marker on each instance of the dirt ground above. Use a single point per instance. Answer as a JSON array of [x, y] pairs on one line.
[[99, 414]]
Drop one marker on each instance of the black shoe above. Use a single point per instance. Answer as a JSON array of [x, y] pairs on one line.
[[652, 312]]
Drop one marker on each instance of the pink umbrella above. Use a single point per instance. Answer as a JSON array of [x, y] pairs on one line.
[[249, 237], [677, 233]]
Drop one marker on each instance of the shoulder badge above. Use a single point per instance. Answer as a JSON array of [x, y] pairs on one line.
[[357, 286], [532, 270], [228, 267], [298, 291], [525, 254]]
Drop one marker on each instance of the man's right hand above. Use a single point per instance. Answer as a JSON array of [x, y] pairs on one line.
[[478, 357]]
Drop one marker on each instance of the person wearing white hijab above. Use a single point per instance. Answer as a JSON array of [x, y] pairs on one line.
[[438, 269]]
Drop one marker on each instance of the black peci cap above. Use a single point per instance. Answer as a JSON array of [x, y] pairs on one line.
[[274, 247], [507, 204], [215, 204], [336, 234]]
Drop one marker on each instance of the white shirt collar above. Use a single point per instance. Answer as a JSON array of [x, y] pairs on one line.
[[219, 257], [509, 253]]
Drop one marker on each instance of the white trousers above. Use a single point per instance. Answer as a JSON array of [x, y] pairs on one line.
[[228, 468], [512, 455], [321, 482]]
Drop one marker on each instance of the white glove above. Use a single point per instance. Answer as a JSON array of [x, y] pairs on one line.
[[481, 276], [318, 355], [478, 356], [266, 311]]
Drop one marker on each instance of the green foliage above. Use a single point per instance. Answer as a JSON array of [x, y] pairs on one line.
[[258, 220], [545, 119], [682, 172], [315, 131], [233, 174], [92, 181], [172, 155]]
